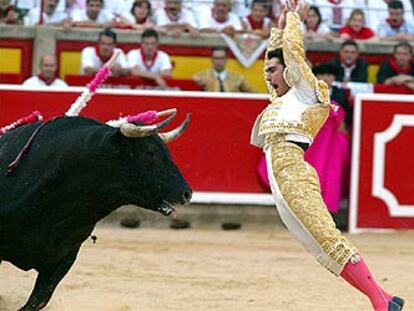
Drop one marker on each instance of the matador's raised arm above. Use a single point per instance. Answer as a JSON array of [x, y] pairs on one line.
[[297, 69]]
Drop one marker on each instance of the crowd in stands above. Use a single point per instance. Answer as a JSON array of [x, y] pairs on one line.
[[348, 19]]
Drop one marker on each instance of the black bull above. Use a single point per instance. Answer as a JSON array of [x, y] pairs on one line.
[[75, 172]]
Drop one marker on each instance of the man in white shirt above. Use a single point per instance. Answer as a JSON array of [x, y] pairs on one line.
[[377, 11], [148, 62], [220, 19], [395, 27], [93, 58], [93, 16], [173, 17], [51, 16], [47, 75]]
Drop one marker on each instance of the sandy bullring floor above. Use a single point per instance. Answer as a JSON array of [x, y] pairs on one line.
[[256, 268]]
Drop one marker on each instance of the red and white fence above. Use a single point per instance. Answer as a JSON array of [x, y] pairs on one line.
[[382, 175]]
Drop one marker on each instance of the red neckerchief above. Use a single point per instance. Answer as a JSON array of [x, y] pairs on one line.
[[102, 58], [398, 69], [148, 63], [142, 21], [392, 26], [221, 21], [47, 82], [172, 17], [336, 2], [254, 24]]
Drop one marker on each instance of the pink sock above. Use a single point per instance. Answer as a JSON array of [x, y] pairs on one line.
[[358, 276]]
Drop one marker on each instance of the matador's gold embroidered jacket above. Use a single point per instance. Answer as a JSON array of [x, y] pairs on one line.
[[301, 112]]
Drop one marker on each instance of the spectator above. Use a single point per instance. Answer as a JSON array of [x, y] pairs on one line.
[[51, 16], [93, 16], [218, 79], [355, 28], [257, 22], [10, 14], [220, 19], [149, 62], [47, 75], [350, 67], [173, 17], [395, 27], [400, 69], [139, 17], [377, 11], [93, 58], [336, 11], [314, 27]]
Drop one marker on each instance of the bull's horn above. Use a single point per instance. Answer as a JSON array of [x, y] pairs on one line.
[[166, 112], [175, 133], [132, 130]]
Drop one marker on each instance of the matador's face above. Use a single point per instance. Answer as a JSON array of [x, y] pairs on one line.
[[274, 75]]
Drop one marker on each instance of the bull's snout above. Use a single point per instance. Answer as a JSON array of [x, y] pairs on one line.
[[186, 196]]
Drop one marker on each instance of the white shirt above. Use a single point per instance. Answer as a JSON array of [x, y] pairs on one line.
[[186, 17], [160, 63], [104, 16], [221, 75], [90, 58], [207, 21], [118, 7], [36, 82], [322, 29], [33, 18]]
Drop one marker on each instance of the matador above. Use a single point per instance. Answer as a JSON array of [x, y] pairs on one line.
[[299, 105]]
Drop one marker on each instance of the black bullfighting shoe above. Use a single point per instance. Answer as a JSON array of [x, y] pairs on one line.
[[399, 301], [392, 306]]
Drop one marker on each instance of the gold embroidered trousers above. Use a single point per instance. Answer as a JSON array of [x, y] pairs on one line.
[[296, 190]]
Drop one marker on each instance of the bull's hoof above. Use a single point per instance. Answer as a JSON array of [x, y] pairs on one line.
[[230, 225], [130, 223], [179, 224]]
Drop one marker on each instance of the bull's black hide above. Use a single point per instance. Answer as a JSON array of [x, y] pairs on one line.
[[75, 172]]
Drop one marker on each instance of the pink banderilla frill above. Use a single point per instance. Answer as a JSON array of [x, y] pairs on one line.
[[31, 118], [148, 117], [91, 88]]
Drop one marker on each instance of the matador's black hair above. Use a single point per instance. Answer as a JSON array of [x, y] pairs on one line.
[[278, 53]]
